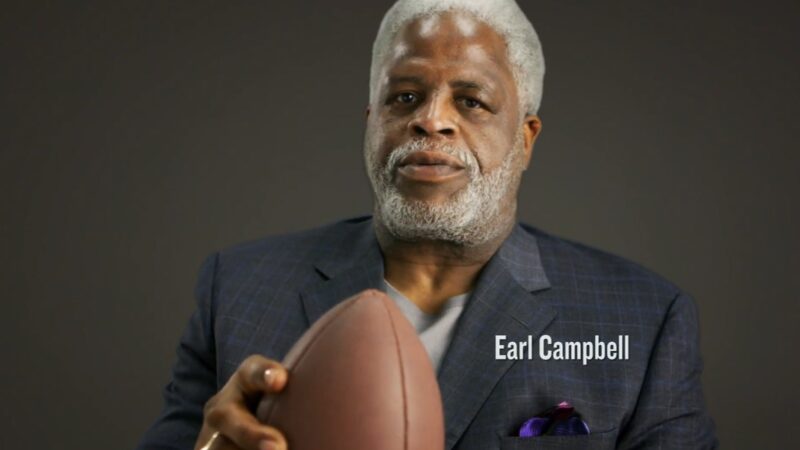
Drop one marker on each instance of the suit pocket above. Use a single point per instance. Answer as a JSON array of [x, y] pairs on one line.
[[598, 441]]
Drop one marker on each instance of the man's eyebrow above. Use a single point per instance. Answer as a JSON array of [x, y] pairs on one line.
[[406, 79], [488, 87], [467, 84]]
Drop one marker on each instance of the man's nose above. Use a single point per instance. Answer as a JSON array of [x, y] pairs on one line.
[[435, 117]]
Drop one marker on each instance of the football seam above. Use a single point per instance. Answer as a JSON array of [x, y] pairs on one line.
[[302, 355], [402, 375]]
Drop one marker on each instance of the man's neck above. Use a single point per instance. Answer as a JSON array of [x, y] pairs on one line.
[[429, 272]]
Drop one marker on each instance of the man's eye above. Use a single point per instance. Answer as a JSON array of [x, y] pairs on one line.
[[406, 98], [471, 103]]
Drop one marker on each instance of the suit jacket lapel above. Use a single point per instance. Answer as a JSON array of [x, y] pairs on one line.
[[502, 303], [356, 264]]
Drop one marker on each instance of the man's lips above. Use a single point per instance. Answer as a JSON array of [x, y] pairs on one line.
[[429, 166], [431, 158]]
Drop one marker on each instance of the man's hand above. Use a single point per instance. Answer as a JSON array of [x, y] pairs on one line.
[[230, 412]]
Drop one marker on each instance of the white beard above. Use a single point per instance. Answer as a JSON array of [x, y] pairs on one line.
[[471, 216]]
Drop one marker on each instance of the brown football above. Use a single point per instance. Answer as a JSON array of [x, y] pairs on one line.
[[359, 379]]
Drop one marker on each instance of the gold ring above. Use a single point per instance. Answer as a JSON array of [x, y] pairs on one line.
[[211, 441]]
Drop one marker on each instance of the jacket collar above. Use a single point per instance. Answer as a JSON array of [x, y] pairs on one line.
[[358, 247]]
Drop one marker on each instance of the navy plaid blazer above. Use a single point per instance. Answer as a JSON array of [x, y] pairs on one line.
[[260, 297]]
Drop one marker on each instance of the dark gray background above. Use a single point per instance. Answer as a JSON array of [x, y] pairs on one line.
[[138, 137]]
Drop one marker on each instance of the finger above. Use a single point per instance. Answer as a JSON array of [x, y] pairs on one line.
[[258, 375], [238, 424]]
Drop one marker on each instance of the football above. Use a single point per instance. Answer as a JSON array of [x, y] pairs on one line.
[[359, 379]]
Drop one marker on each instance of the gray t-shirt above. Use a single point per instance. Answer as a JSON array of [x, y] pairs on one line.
[[434, 330]]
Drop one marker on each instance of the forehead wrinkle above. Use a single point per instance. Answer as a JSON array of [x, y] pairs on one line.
[[447, 47], [478, 51], [415, 70]]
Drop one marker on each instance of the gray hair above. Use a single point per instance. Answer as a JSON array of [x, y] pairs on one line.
[[504, 16]]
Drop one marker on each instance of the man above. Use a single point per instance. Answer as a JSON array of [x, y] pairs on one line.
[[514, 319]]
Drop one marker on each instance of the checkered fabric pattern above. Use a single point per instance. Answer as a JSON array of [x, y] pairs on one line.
[[260, 297]]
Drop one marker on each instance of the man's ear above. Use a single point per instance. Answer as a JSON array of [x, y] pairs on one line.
[[531, 127]]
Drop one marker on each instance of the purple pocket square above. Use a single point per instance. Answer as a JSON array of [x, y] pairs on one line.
[[560, 420]]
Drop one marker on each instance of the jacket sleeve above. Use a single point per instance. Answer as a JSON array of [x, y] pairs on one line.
[[671, 411], [194, 377]]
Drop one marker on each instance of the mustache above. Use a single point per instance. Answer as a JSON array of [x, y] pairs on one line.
[[463, 154]]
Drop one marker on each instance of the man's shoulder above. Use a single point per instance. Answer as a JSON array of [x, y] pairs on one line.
[[568, 262], [286, 259]]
